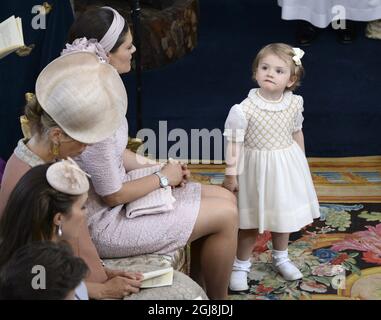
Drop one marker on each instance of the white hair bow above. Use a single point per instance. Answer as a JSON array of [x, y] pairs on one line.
[[298, 55]]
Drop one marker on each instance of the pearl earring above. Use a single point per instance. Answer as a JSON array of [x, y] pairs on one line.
[[59, 231]]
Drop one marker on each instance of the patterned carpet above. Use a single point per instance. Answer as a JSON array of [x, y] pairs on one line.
[[340, 254]]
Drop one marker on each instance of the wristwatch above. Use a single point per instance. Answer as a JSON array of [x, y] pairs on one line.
[[164, 182]]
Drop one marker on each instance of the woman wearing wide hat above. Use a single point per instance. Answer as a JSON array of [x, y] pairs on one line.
[[203, 215], [79, 101]]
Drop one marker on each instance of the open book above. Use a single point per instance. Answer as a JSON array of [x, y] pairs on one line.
[[11, 36], [157, 278]]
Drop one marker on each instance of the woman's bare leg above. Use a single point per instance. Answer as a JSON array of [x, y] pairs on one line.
[[217, 223], [207, 191], [195, 263], [217, 192]]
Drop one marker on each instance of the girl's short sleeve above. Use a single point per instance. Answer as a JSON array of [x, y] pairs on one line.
[[235, 124], [102, 163], [298, 123]]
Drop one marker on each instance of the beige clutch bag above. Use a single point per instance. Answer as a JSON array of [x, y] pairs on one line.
[[157, 201]]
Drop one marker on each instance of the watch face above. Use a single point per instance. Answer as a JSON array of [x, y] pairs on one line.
[[164, 181]]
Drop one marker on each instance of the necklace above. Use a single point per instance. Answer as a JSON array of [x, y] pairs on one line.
[[270, 101]]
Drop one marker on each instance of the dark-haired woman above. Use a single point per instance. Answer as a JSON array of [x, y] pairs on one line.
[[48, 203], [85, 89], [203, 215]]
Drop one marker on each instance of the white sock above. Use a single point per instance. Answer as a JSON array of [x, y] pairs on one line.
[[284, 266], [280, 255], [241, 265], [238, 277]]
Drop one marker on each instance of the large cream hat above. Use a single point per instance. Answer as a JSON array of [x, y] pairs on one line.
[[84, 96]]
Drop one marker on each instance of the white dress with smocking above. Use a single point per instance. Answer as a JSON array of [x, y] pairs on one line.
[[276, 192]]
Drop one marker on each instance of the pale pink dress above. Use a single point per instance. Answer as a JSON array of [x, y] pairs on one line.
[[21, 161], [112, 232]]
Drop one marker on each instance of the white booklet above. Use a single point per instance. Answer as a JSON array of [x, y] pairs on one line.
[[11, 36], [158, 278]]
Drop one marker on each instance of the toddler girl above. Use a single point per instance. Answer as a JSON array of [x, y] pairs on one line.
[[266, 163]]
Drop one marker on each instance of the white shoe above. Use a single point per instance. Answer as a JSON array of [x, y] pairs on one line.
[[238, 277], [287, 270], [238, 281]]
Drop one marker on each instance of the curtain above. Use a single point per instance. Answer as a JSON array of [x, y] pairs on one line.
[[19, 71]]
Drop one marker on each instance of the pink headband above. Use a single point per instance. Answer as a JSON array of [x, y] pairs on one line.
[[102, 47], [111, 37]]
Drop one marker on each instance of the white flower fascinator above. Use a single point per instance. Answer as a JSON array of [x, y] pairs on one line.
[[84, 44], [298, 55], [67, 177]]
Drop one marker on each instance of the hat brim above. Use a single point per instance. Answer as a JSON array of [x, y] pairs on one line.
[[84, 96]]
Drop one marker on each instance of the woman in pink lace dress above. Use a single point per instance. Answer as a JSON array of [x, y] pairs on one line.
[[203, 215], [76, 84]]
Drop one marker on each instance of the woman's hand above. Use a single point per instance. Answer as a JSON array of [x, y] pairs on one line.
[[231, 183], [121, 273], [174, 173], [118, 287], [186, 174]]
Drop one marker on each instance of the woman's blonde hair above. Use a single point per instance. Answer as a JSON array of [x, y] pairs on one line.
[[38, 120], [284, 52]]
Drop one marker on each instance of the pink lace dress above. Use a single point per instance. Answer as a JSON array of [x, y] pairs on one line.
[[115, 235]]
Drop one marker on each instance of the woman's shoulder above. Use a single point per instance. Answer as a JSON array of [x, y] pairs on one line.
[[107, 146], [14, 162], [14, 170]]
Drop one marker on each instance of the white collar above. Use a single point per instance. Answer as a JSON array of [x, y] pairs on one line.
[[25, 154], [263, 104]]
